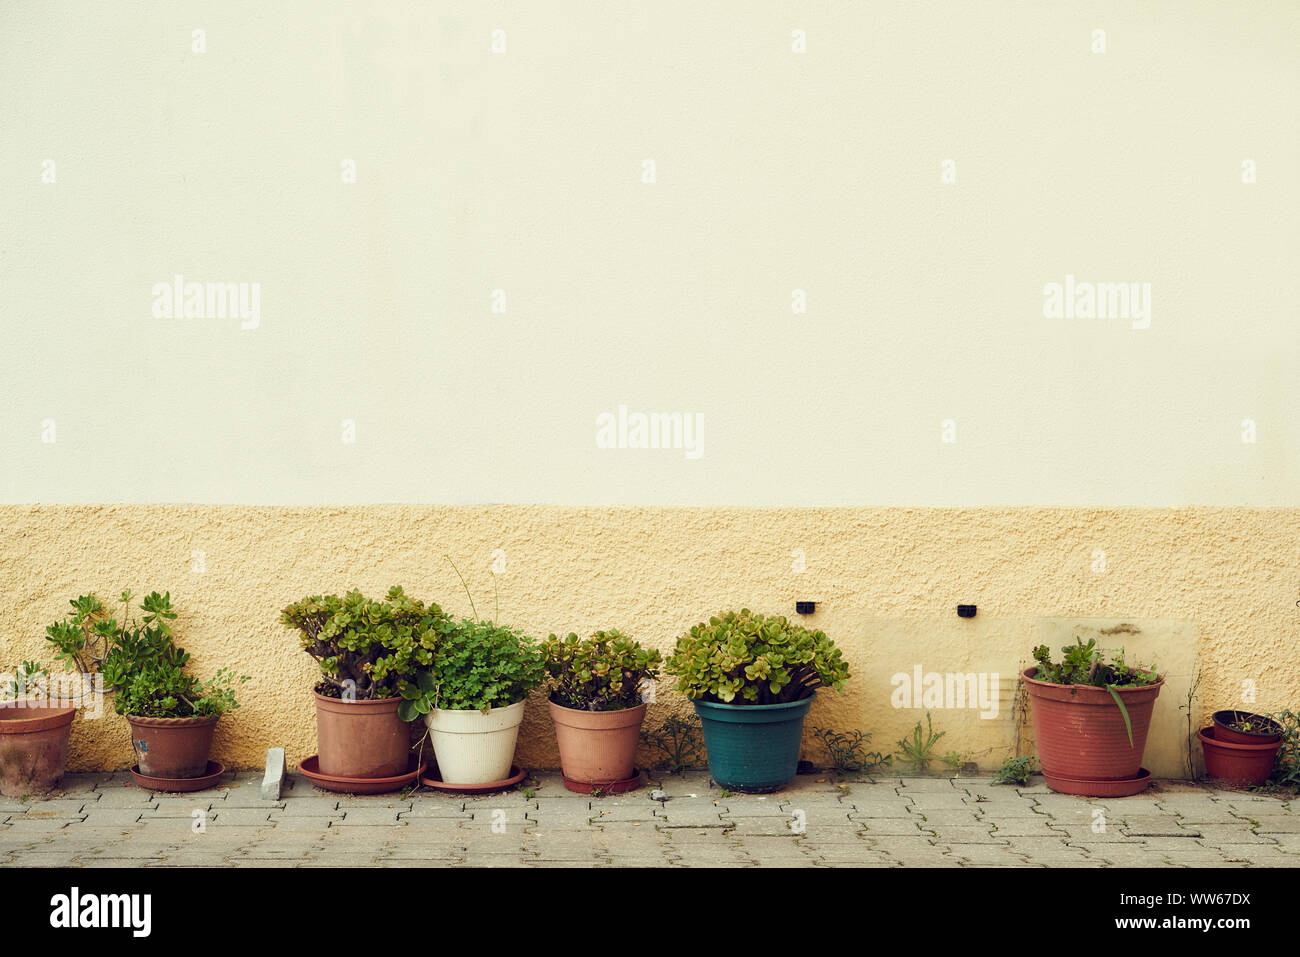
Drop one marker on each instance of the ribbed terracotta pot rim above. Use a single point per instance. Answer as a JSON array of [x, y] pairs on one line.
[[1207, 737], [1257, 736], [593, 720], [361, 704], [54, 717], [1050, 689], [194, 721]]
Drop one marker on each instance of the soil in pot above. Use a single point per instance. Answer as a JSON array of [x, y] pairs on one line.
[[1245, 765], [597, 747], [753, 748], [172, 748], [361, 739], [33, 748], [1080, 732], [1243, 727]]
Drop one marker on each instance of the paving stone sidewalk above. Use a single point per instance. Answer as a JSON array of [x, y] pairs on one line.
[[102, 820]]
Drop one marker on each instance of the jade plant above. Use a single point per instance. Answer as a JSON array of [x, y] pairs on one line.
[[744, 658], [140, 660], [602, 673], [475, 665], [1086, 665], [367, 648]]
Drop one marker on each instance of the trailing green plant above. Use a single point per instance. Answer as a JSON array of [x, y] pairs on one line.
[[366, 648], [1086, 665], [1015, 771], [918, 748], [1286, 766], [605, 672], [476, 665], [680, 741], [848, 750], [746, 658], [140, 660]]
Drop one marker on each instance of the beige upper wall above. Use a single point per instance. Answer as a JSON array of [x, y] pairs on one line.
[[775, 171], [1208, 588]]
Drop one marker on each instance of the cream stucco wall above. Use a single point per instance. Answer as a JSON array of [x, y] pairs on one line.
[[522, 171], [1208, 587]]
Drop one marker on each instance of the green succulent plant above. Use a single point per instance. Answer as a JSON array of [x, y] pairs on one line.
[[747, 658], [366, 648], [139, 660], [602, 673]]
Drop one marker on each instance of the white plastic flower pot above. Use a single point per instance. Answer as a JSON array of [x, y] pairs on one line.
[[472, 747]]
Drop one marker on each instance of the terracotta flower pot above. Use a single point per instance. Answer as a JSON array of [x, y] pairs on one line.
[[1080, 731], [1223, 732], [597, 747], [172, 747], [361, 739], [33, 748], [1246, 765]]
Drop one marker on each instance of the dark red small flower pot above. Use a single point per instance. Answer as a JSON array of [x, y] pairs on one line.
[[1246, 765], [172, 747], [1224, 732]]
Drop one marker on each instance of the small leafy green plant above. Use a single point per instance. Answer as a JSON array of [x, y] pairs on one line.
[[602, 673], [1015, 771], [1286, 766], [140, 660], [1085, 665], [918, 748], [848, 750], [476, 665], [365, 648], [680, 741], [744, 658]]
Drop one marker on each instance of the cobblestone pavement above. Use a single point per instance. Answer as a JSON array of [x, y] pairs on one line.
[[101, 820]]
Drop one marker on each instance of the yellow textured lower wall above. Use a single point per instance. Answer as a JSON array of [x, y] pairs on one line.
[[1214, 588]]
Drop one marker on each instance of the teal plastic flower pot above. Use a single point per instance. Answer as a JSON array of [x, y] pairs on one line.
[[753, 747]]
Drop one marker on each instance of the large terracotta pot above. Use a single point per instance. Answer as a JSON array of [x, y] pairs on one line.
[[172, 747], [472, 747], [361, 739], [1080, 732], [33, 748], [597, 747]]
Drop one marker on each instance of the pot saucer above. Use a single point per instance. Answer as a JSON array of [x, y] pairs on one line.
[[516, 775], [616, 787], [1125, 787], [209, 778], [310, 769]]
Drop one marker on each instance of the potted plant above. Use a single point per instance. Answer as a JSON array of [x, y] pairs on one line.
[[365, 649], [1240, 747], [1091, 719], [752, 679], [172, 714], [34, 733], [597, 705], [471, 695]]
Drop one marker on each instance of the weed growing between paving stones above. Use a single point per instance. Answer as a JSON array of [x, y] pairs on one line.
[[680, 741], [848, 751], [1015, 771], [918, 749]]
